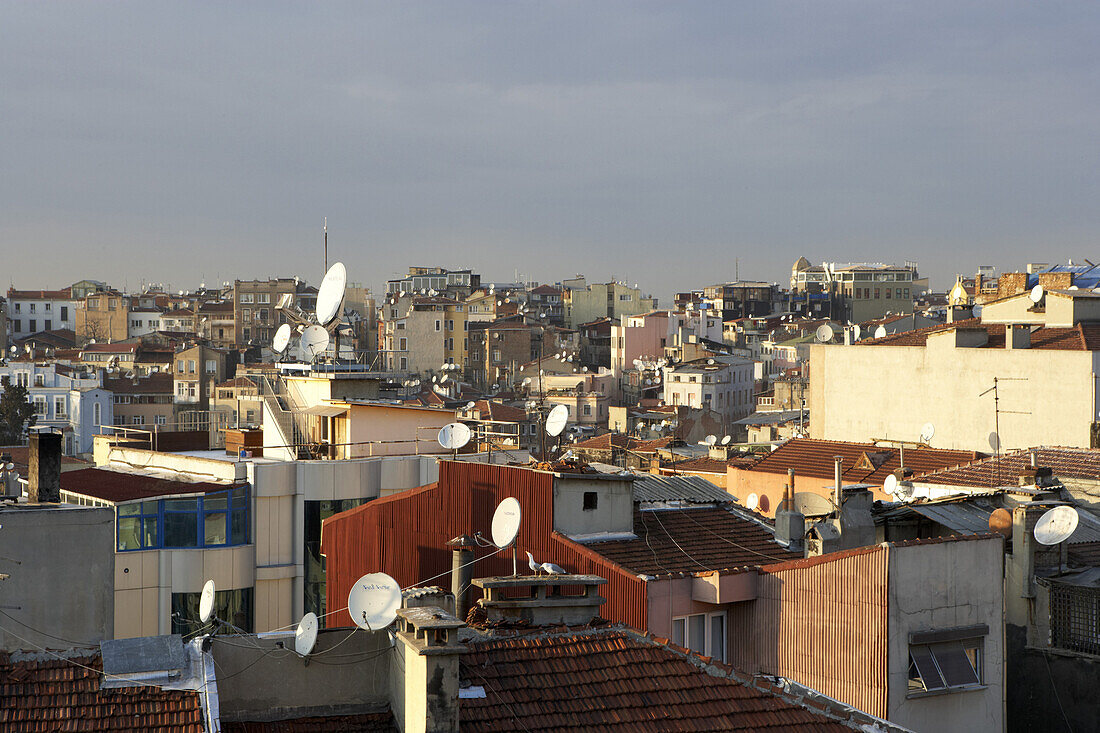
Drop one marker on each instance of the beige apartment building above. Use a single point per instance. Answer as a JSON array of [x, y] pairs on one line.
[[1027, 372], [142, 401], [858, 292], [215, 324], [254, 301], [103, 317], [584, 303], [421, 334]]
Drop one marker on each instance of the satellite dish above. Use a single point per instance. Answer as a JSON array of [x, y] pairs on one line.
[[752, 502], [330, 296], [314, 341], [453, 436], [506, 520], [880, 332], [856, 331], [1036, 294], [763, 504], [282, 338], [726, 440], [903, 491], [373, 601], [555, 421], [890, 484], [994, 441], [976, 311], [1000, 521], [1056, 525], [927, 432], [471, 405], [305, 636], [810, 504], [824, 333], [206, 602], [710, 439]]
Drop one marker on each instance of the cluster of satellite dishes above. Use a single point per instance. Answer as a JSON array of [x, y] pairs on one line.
[[314, 330], [712, 440], [825, 333], [454, 436], [757, 502]]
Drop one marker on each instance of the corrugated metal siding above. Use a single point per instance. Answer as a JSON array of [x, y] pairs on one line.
[[404, 535], [824, 626]]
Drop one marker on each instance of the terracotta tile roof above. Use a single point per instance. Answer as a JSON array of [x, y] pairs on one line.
[[238, 382], [692, 541], [704, 464], [63, 294], [1005, 470], [607, 441], [65, 695], [363, 722], [491, 410], [118, 486], [546, 290], [614, 679], [864, 463], [1082, 337]]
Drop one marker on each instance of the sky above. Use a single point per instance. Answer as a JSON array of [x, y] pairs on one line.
[[671, 144]]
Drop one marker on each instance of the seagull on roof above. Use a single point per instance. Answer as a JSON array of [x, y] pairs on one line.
[[547, 567]]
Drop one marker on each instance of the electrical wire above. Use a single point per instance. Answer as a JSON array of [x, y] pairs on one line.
[[678, 547], [687, 513], [499, 696], [43, 633]]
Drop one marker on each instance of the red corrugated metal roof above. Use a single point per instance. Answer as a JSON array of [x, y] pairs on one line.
[[864, 463], [692, 540], [64, 695], [107, 485], [616, 680]]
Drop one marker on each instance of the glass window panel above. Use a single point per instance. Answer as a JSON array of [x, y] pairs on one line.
[[697, 633], [150, 537], [129, 537], [240, 527], [926, 667], [215, 501], [214, 528], [126, 510], [148, 507], [181, 529], [718, 637], [954, 664], [678, 632], [181, 505], [240, 495]]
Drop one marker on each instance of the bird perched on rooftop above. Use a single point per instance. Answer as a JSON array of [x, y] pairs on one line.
[[547, 567]]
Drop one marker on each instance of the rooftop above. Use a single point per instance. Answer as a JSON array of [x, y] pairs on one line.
[[615, 679], [1082, 337], [693, 540], [1079, 463], [116, 486]]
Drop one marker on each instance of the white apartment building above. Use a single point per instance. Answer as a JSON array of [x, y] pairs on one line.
[[31, 311], [66, 398], [723, 384], [143, 321]]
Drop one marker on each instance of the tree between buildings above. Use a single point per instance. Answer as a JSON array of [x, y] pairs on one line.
[[16, 412]]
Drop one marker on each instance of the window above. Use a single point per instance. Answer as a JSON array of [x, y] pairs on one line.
[[403, 343], [703, 633], [588, 409], [33, 325], [263, 298], [59, 411], [47, 324], [120, 419], [450, 325], [39, 380], [139, 420], [437, 324], [262, 314], [234, 606], [190, 366], [404, 362], [97, 414], [247, 313], [211, 366], [942, 661], [159, 419], [17, 307], [591, 501], [64, 312], [246, 297], [32, 307], [888, 291], [40, 407]]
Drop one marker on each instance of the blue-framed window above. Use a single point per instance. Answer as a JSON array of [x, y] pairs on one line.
[[217, 519]]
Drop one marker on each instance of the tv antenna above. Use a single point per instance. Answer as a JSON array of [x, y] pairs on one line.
[[373, 601], [997, 411], [317, 329], [927, 432]]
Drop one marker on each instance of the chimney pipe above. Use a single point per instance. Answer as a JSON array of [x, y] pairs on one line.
[[839, 482], [790, 490], [462, 556], [44, 483], [901, 457], [1034, 458]]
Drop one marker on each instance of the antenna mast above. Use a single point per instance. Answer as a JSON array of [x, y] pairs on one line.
[[325, 225]]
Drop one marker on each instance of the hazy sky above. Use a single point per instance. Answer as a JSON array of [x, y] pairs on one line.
[[649, 142]]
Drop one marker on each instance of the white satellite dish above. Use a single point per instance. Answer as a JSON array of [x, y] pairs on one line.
[[506, 520], [880, 332], [453, 436], [330, 296], [824, 333], [305, 636], [373, 601], [927, 432], [903, 491], [555, 421], [1056, 525], [994, 441], [710, 439], [282, 338], [726, 439], [890, 485], [856, 331], [976, 311], [1036, 294], [752, 501], [206, 602], [314, 341], [471, 405]]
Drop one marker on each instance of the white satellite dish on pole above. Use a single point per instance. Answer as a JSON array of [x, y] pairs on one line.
[[824, 333], [904, 491], [976, 311], [752, 501], [206, 602], [1036, 294], [506, 521], [726, 439], [330, 296], [305, 636], [282, 338], [314, 341], [373, 601], [927, 432], [710, 439], [1056, 525], [880, 332], [453, 436], [994, 441], [856, 331], [556, 420], [890, 485]]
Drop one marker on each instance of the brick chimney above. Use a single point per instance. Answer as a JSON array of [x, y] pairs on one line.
[[542, 604], [44, 482], [424, 671]]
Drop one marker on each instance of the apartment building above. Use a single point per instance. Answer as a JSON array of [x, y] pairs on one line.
[[649, 335], [499, 350], [68, 399], [421, 333], [103, 317], [197, 369], [215, 323], [740, 299], [855, 292], [584, 302], [723, 384], [141, 401], [31, 311], [254, 316], [450, 283]]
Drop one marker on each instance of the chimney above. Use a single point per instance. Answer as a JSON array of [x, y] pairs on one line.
[[1018, 336], [44, 482], [462, 557], [424, 671], [540, 602], [790, 525]]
